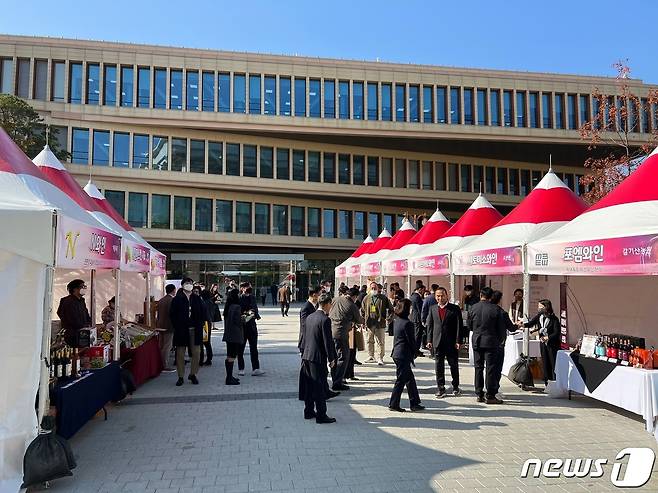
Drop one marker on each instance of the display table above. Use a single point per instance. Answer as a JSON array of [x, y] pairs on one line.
[[79, 400], [144, 362], [632, 389], [513, 350]]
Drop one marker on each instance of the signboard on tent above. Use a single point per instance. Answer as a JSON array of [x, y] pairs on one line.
[[603, 257], [494, 261], [158, 264], [372, 269], [354, 270], [431, 265], [341, 272], [82, 246], [395, 267], [135, 257]]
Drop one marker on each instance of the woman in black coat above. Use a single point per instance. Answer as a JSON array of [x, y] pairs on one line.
[[210, 307], [233, 333], [548, 325], [403, 354]]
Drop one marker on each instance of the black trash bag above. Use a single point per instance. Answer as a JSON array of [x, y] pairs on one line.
[[48, 457], [520, 372], [127, 384]]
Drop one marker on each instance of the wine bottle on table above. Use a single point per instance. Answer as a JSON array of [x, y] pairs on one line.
[[53, 364], [69, 362]]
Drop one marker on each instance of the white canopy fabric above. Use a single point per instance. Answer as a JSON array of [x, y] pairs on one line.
[[342, 270], [374, 265], [500, 250]]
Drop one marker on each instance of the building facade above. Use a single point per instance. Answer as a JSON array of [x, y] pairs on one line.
[[252, 165]]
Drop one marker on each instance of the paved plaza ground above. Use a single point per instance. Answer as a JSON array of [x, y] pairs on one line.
[[252, 437]]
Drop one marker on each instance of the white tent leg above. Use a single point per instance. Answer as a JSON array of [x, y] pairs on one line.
[[117, 315], [526, 311], [44, 379], [93, 296], [147, 305], [452, 287], [408, 285]]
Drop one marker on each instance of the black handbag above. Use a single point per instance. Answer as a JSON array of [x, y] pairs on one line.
[[520, 372], [48, 457]]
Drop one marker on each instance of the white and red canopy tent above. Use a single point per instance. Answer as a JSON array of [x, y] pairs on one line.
[[358, 267], [373, 266], [342, 272]]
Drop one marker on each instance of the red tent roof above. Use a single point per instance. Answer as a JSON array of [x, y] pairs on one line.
[[101, 203], [479, 217], [367, 243], [381, 241], [13, 160], [434, 229], [402, 237]]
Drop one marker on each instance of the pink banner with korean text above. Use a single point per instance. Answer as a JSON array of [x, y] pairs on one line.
[[135, 257], [631, 255], [371, 269], [158, 264], [494, 261], [354, 270], [80, 246], [430, 265], [395, 267]]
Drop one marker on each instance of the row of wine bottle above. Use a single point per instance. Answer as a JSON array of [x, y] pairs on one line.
[[64, 363], [614, 347]]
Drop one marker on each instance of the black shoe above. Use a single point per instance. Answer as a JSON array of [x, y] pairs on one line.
[[331, 394], [324, 420], [201, 363], [179, 382], [420, 354], [397, 409], [232, 381], [310, 415], [494, 400], [416, 408], [354, 378], [357, 362], [209, 362], [440, 394], [480, 398], [342, 386], [193, 379]]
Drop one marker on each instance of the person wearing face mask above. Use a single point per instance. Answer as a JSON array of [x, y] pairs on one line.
[[163, 322], [187, 315], [377, 311], [73, 313], [548, 326], [516, 308]]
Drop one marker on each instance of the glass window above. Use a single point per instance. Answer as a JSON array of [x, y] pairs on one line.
[[285, 108], [117, 201], [314, 166], [224, 90], [243, 217], [441, 105], [621, 118], [160, 88], [160, 152], [579, 185], [127, 83], [215, 158], [373, 112], [75, 83], [266, 162], [344, 224], [440, 176], [559, 111], [93, 83], [465, 178], [389, 222], [520, 109], [314, 98], [300, 96], [40, 79], [478, 178], [359, 224], [468, 106], [60, 135], [357, 102], [329, 167], [101, 149], [428, 104], [373, 224], [197, 156], [400, 102], [137, 209], [507, 108], [536, 178], [176, 89], [269, 107], [413, 174], [482, 107], [646, 115], [6, 76], [254, 94], [329, 223], [414, 103], [280, 220], [525, 182], [208, 91], [239, 93], [584, 109], [571, 99], [400, 173], [387, 172], [455, 104], [143, 87], [121, 150], [179, 154], [427, 175], [373, 171], [533, 104], [233, 159], [343, 99], [192, 90], [358, 170], [203, 214], [387, 102], [490, 183], [283, 164], [547, 110], [313, 222], [297, 221], [453, 177], [160, 211], [140, 151], [183, 213], [224, 216], [344, 169], [57, 79], [249, 161], [494, 99], [568, 179], [298, 166], [501, 184], [262, 218], [330, 99], [514, 181]]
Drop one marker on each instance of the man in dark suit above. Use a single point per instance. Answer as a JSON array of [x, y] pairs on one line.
[[187, 314], [443, 323], [319, 350], [489, 332], [309, 307], [416, 299]]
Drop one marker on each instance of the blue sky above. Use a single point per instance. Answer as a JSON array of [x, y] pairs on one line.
[[577, 36]]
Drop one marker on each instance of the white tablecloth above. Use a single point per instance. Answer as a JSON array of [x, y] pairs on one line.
[[513, 349], [632, 389]]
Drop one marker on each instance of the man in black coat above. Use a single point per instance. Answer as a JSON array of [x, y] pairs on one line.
[[489, 332], [187, 315], [248, 304], [416, 299], [319, 351], [72, 311], [444, 321], [309, 307]]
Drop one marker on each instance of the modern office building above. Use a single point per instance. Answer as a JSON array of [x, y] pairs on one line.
[[250, 163]]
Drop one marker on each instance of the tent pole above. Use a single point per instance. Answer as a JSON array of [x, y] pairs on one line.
[[147, 305], [408, 285], [93, 296], [44, 379], [117, 315], [526, 302]]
